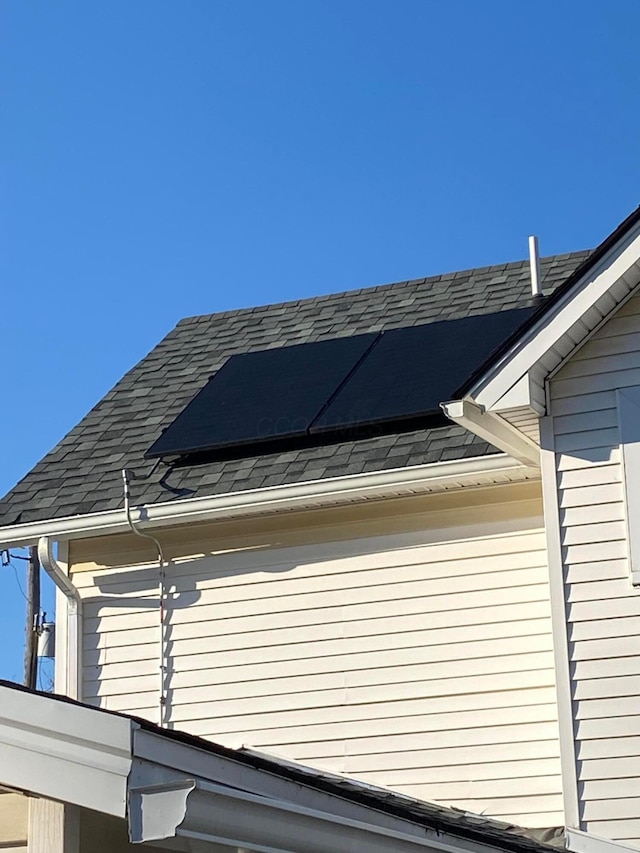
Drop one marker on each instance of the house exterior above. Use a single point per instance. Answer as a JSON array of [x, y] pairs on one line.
[[447, 609], [84, 779]]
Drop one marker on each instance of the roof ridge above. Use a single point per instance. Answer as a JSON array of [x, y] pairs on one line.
[[374, 288]]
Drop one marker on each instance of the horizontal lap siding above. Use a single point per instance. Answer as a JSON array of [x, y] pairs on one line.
[[603, 608], [426, 666]]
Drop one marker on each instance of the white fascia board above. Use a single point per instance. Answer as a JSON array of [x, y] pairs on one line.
[[494, 429], [64, 751], [215, 814], [523, 355], [333, 491], [578, 841]]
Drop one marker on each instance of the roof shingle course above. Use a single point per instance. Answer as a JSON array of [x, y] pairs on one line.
[[118, 430]]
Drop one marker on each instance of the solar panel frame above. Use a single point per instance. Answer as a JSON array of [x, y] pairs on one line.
[[337, 389], [413, 369], [260, 397]]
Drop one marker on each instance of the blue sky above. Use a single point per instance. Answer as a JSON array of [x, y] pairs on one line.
[[162, 159]]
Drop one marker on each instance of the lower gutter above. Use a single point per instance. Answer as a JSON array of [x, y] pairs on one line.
[[214, 814], [334, 491], [579, 841], [183, 793]]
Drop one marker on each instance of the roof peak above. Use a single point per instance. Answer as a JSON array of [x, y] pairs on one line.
[[509, 266]]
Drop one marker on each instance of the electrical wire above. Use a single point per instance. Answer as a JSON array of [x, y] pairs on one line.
[[127, 475], [18, 581], [6, 560]]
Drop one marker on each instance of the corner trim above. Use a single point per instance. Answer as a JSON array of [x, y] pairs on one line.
[[559, 625]]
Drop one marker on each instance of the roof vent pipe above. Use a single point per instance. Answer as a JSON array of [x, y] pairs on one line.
[[534, 262]]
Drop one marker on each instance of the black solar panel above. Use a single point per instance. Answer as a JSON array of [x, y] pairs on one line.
[[410, 371], [347, 387], [263, 396]]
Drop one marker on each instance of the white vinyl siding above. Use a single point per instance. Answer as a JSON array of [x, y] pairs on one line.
[[406, 660], [603, 609], [525, 421]]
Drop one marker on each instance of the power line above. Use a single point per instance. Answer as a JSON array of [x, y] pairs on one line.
[[15, 572]]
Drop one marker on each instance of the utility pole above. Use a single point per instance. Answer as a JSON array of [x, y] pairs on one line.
[[33, 613]]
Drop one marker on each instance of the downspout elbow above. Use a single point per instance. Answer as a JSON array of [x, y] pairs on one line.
[[55, 571], [74, 613]]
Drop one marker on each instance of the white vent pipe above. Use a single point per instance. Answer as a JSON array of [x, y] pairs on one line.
[[534, 262]]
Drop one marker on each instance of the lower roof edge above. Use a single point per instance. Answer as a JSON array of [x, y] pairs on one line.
[[335, 491]]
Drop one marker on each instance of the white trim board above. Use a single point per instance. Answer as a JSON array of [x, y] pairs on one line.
[[64, 751], [579, 841], [333, 491], [568, 324], [559, 625], [628, 406]]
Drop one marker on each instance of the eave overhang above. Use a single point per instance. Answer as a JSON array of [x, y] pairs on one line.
[[495, 429], [64, 751], [329, 492], [558, 333], [509, 391]]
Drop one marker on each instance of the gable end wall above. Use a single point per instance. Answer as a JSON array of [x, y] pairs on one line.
[[602, 607]]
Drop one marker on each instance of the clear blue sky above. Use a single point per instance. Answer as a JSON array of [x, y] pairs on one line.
[[162, 159]]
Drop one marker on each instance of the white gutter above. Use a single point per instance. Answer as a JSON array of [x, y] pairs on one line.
[[494, 429], [334, 491], [215, 814], [579, 841], [74, 615]]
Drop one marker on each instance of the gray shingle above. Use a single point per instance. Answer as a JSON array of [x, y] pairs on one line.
[[82, 473]]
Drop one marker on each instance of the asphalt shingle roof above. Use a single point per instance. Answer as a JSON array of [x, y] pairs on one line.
[[82, 473]]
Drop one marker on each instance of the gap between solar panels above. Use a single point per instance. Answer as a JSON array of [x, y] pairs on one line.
[[335, 390]]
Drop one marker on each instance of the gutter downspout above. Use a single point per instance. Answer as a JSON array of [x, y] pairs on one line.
[[74, 614]]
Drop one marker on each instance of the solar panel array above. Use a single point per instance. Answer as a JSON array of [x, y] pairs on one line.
[[412, 370], [257, 397], [334, 389]]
